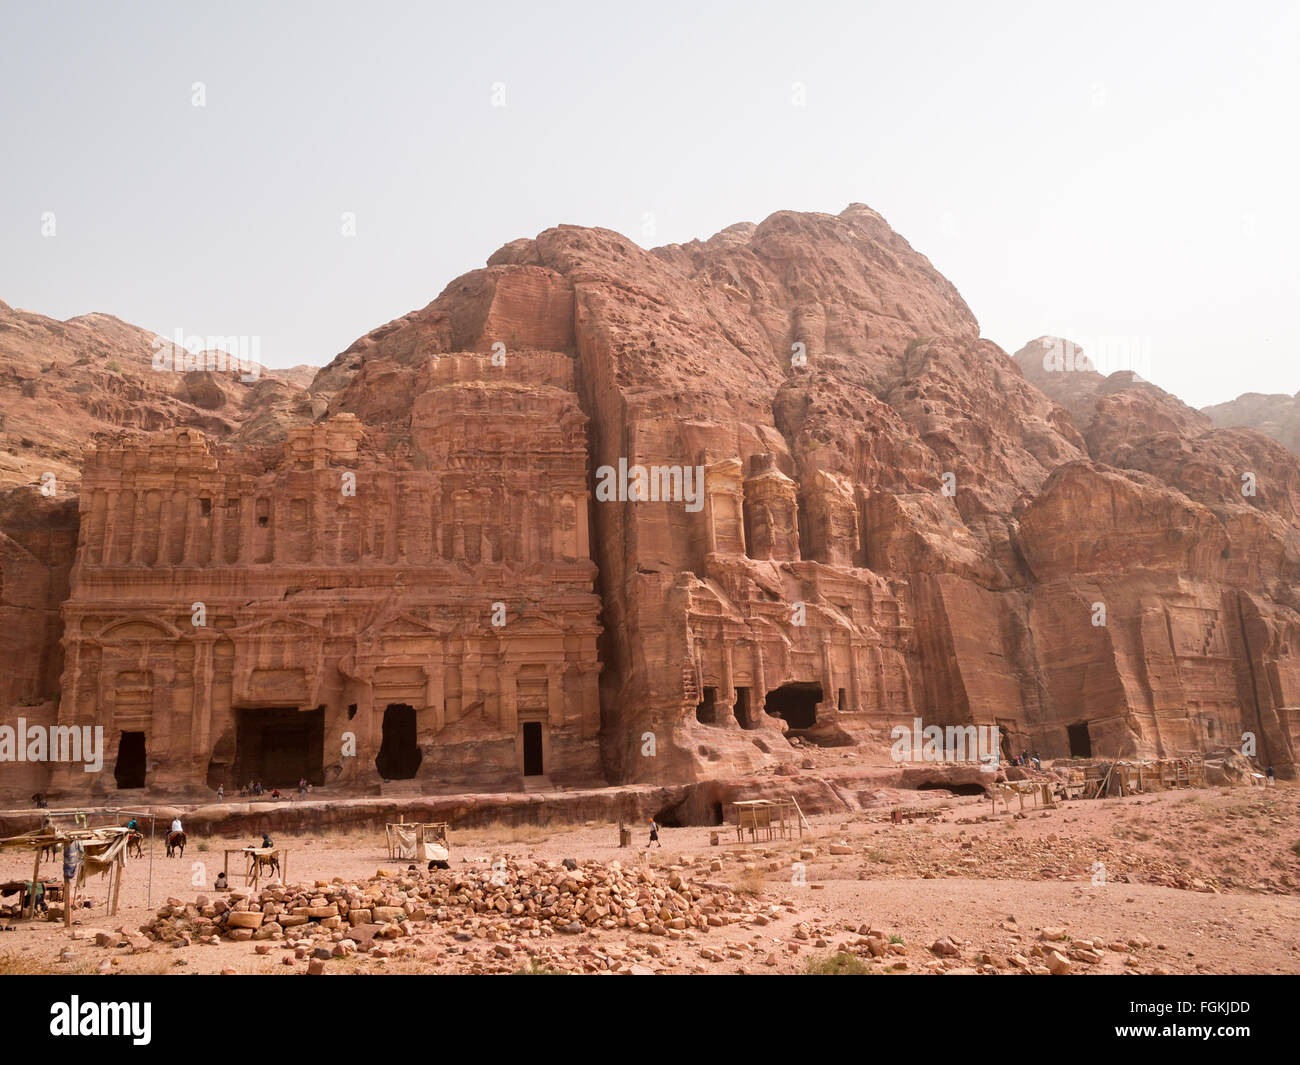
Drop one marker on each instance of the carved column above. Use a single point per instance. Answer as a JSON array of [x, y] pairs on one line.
[[458, 519], [555, 694], [471, 665], [855, 683], [163, 556], [726, 703], [367, 748], [248, 519], [589, 674], [405, 497], [556, 515], [393, 482], [509, 698], [433, 694], [219, 521], [321, 487], [201, 706], [92, 516], [71, 669], [133, 551], [830, 694], [584, 530], [195, 531], [278, 548], [110, 526]]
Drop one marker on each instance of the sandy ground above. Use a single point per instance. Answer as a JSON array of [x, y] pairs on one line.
[[1204, 881]]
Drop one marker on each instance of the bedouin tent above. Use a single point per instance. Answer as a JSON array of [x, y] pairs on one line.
[[103, 850], [425, 842]]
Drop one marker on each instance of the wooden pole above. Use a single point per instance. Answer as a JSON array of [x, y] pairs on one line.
[[149, 897], [117, 887], [802, 820], [30, 910], [1104, 787], [67, 902]]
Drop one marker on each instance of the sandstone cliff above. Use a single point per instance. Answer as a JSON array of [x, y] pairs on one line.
[[1186, 533], [1277, 416], [63, 385], [894, 481], [892, 519]]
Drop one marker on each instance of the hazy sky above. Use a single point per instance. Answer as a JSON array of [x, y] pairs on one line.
[[1124, 174]]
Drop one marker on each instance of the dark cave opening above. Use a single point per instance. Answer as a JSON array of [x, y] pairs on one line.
[[130, 769], [1080, 740], [278, 746], [706, 713], [796, 704], [399, 755]]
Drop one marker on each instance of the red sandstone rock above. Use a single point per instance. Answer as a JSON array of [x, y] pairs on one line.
[[895, 522], [1277, 416], [61, 385]]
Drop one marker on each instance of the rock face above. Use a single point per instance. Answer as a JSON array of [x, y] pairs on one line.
[[345, 613], [1186, 536], [1277, 416], [815, 500], [61, 385], [63, 382], [37, 545]]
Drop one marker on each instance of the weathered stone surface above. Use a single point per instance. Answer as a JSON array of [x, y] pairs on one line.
[[38, 541], [468, 605], [61, 384], [1277, 416], [421, 556], [1187, 535]]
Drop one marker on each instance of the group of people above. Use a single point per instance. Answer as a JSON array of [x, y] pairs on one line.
[[254, 787], [1026, 760]]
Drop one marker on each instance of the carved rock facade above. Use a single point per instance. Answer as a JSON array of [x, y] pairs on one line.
[[637, 516], [326, 611]]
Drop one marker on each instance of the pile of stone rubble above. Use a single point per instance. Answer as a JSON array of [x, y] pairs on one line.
[[507, 900]]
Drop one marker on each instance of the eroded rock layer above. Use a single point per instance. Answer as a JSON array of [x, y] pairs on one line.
[[767, 483]]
